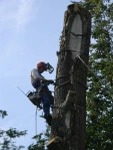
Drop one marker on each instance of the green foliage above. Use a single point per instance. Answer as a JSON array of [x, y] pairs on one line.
[[100, 87], [7, 136], [41, 140]]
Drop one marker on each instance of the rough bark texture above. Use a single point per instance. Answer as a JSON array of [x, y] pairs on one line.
[[69, 115]]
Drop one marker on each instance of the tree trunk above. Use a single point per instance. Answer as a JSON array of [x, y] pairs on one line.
[[69, 115]]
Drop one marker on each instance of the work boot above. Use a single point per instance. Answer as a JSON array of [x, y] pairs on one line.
[[48, 119]]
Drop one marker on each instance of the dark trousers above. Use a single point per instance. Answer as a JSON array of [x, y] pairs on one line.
[[46, 98], [47, 103]]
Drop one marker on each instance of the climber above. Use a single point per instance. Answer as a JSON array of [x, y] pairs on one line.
[[36, 80]]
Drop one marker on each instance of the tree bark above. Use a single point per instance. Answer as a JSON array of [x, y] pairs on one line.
[[69, 114]]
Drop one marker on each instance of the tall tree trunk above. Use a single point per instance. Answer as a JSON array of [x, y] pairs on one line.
[[69, 115]]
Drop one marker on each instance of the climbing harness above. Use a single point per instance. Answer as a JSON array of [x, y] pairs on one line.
[[35, 98]]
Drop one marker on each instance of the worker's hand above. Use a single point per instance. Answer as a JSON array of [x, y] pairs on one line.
[[51, 81]]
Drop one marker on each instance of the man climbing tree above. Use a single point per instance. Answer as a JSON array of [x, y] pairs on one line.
[[40, 84]]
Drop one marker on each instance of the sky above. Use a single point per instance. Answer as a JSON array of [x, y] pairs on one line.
[[29, 33]]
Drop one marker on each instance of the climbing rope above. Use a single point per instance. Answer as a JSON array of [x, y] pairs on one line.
[[62, 84], [36, 121], [87, 66], [99, 80]]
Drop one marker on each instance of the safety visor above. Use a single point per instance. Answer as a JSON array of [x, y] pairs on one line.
[[49, 68]]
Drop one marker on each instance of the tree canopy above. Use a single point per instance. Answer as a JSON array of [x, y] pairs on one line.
[[99, 120], [7, 137]]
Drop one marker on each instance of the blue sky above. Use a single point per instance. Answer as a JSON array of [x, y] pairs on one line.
[[29, 33]]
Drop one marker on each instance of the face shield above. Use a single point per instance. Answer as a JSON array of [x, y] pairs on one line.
[[50, 69]]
